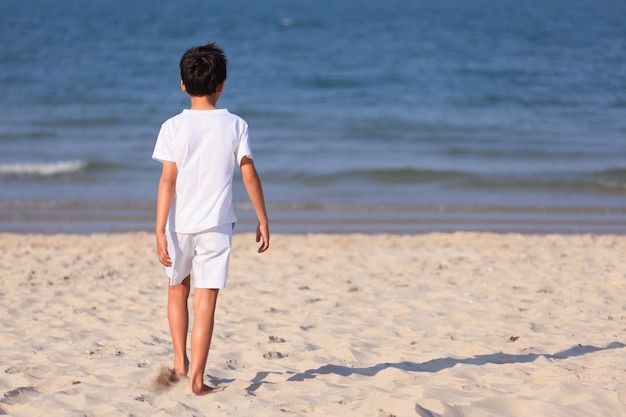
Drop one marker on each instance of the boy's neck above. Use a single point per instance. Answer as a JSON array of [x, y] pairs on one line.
[[204, 102]]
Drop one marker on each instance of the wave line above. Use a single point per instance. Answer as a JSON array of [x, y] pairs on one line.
[[42, 168]]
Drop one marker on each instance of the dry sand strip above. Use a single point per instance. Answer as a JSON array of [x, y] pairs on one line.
[[460, 324]]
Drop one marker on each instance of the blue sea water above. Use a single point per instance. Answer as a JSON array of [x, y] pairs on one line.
[[365, 116]]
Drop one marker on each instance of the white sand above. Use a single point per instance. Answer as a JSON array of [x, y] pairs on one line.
[[464, 324]]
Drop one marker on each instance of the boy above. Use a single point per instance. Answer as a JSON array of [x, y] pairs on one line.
[[199, 149]]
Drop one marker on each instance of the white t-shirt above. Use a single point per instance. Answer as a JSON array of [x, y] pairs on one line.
[[206, 145]]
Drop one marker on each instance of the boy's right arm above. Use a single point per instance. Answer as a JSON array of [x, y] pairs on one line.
[[252, 182], [165, 195]]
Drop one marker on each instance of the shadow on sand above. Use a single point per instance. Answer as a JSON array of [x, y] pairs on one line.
[[434, 365]]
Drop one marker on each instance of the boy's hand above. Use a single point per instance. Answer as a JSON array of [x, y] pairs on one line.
[[263, 235], [164, 256]]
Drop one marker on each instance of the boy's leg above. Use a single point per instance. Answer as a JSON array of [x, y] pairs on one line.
[[204, 301], [178, 318]]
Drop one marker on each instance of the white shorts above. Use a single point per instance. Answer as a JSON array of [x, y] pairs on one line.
[[207, 253]]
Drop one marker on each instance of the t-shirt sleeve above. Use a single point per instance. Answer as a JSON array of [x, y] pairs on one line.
[[163, 149], [244, 144]]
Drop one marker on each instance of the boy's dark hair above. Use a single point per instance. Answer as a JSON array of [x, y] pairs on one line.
[[202, 69]]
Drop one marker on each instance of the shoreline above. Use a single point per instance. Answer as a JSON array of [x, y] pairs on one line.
[[345, 219], [440, 324]]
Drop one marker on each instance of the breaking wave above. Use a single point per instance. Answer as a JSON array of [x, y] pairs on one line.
[[42, 168]]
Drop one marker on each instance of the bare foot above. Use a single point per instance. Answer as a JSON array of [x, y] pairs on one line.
[[205, 389], [180, 372], [175, 376]]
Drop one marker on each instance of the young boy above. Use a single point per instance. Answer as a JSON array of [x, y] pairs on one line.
[[199, 149]]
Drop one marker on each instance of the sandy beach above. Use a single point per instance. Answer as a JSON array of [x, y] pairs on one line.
[[461, 324]]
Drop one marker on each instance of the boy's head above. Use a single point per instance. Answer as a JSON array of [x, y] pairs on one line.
[[203, 69]]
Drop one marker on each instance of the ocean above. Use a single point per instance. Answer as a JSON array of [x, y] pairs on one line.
[[390, 116]]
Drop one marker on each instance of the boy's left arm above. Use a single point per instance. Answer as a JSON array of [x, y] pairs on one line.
[[165, 195], [252, 182]]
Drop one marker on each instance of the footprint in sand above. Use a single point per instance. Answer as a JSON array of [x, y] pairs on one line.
[[32, 370], [19, 395], [274, 355]]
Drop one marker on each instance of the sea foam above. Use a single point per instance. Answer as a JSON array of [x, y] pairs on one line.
[[42, 168]]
